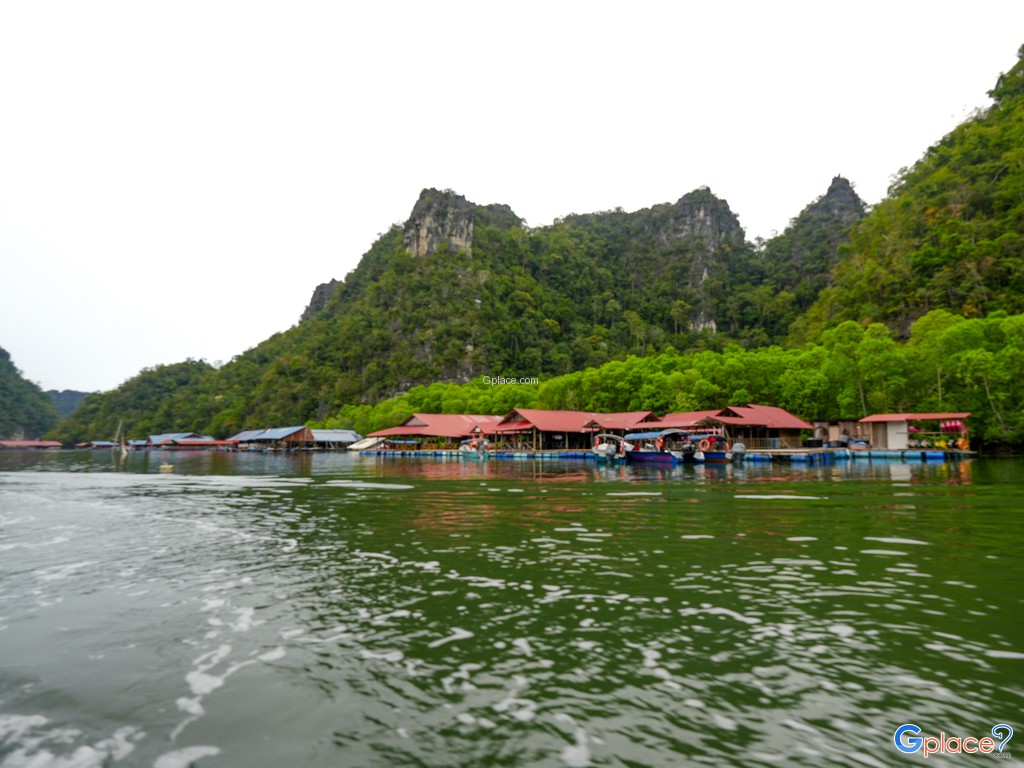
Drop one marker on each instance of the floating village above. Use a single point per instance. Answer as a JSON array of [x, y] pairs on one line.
[[732, 434]]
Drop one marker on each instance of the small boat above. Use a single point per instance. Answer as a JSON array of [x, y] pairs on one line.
[[474, 448], [608, 447], [671, 446], [718, 450]]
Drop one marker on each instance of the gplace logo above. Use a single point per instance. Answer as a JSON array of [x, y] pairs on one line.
[[908, 741]]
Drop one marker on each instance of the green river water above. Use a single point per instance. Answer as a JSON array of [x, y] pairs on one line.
[[337, 610]]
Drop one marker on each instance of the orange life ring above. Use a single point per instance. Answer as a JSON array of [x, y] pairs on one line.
[[659, 443], [704, 444]]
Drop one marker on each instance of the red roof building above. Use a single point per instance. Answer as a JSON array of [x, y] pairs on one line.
[[761, 426], [30, 444], [452, 426], [534, 429], [622, 422], [690, 420]]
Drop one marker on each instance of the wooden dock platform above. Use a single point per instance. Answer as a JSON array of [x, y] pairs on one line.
[[794, 455]]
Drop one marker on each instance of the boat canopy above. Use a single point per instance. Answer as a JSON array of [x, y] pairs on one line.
[[653, 435]]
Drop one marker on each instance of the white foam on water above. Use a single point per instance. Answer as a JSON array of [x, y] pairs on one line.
[[384, 656], [889, 552], [376, 556], [202, 683], [802, 538], [274, 655], [59, 573], [457, 634], [842, 630], [697, 536], [1004, 654], [724, 722], [360, 485], [523, 645], [635, 493], [24, 730], [246, 619], [719, 612], [778, 496], [183, 758], [895, 540]]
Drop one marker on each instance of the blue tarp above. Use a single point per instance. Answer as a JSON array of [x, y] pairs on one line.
[[659, 433]]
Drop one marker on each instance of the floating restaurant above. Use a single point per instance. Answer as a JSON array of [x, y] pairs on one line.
[[766, 433]]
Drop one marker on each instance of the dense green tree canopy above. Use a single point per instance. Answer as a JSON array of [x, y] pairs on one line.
[[949, 235], [949, 364], [847, 312], [25, 411]]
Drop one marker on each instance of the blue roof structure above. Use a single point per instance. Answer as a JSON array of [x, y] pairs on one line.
[[158, 439], [247, 435], [336, 436], [280, 433]]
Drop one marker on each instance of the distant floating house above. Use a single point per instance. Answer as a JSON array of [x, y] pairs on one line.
[[621, 423], [335, 439], [900, 431], [439, 427], [533, 429], [159, 441], [298, 438], [32, 445], [762, 426], [691, 420]]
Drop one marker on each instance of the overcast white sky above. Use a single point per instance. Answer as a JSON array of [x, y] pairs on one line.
[[177, 177]]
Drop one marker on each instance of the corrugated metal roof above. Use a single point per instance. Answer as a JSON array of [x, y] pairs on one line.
[[30, 444], [627, 420], [685, 420], [157, 439], [280, 433], [442, 425], [769, 416], [247, 434], [545, 421], [913, 417], [336, 436], [202, 442]]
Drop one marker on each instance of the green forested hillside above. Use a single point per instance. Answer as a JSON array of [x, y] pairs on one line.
[[949, 364], [462, 290], [143, 405], [25, 412], [949, 235]]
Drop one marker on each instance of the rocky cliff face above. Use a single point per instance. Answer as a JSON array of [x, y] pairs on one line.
[[443, 218], [698, 233], [439, 219], [840, 203], [321, 296], [698, 217]]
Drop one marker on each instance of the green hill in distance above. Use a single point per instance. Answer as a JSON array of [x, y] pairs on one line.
[[462, 290], [25, 411]]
